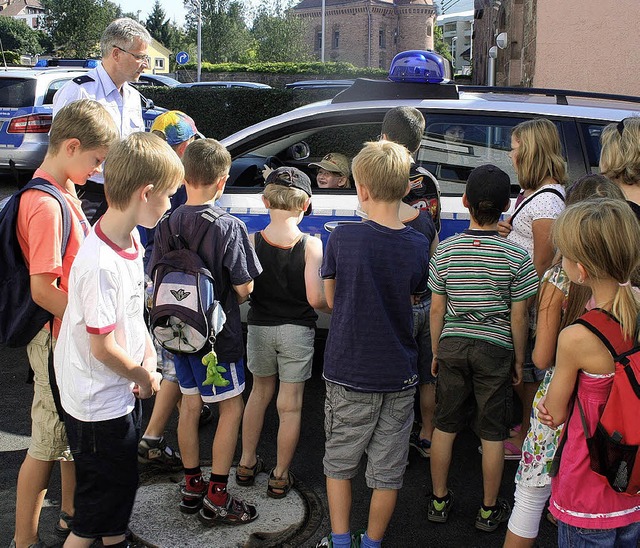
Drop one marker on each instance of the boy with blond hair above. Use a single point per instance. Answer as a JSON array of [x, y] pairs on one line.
[[79, 140], [281, 324], [371, 270], [226, 251], [105, 361]]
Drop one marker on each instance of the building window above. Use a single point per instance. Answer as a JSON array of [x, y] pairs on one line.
[[428, 30], [382, 39], [318, 40], [450, 27], [159, 63], [336, 39]]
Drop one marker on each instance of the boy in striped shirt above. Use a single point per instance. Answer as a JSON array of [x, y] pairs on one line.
[[480, 283]]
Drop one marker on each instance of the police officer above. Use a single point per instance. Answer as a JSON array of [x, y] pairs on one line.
[[124, 46]]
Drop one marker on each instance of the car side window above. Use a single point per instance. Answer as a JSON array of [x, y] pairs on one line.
[[591, 132], [51, 90]]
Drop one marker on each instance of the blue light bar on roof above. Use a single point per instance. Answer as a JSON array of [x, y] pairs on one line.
[[420, 66]]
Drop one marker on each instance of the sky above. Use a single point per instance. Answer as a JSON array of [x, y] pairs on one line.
[[173, 8]]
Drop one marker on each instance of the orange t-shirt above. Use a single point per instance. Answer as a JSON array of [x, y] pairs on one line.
[[39, 231]]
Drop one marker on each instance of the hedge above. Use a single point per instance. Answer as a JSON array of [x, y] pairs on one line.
[[220, 112], [315, 68]]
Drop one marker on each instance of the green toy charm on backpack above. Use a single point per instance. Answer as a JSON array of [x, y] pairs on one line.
[[214, 370]]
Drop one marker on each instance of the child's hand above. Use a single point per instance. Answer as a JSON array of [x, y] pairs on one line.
[[543, 414], [516, 377], [147, 390], [434, 366], [504, 227], [214, 370], [265, 171]]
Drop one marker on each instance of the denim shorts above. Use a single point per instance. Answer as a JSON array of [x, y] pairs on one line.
[[422, 335], [283, 350], [378, 423], [191, 374], [474, 376], [570, 536], [165, 363], [106, 457]]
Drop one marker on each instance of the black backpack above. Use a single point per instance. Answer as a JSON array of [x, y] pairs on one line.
[[20, 317]]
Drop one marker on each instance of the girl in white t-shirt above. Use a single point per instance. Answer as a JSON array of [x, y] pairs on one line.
[[536, 154]]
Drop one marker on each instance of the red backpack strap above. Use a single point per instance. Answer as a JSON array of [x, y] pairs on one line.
[[608, 329]]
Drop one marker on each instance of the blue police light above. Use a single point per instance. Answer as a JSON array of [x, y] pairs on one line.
[[41, 63], [420, 66], [90, 63]]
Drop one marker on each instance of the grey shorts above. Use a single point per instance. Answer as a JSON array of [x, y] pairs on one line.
[[376, 423], [474, 382], [283, 350]]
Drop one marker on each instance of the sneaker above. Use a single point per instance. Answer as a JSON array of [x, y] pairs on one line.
[[157, 453], [234, 512], [206, 416], [193, 492], [356, 540], [438, 512], [422, 446], [490, 520]]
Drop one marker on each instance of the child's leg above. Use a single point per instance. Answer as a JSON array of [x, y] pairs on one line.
[[441, 451], [492, 466], [339, 498], [226, 436], [427, 408], [253, 420], [68, 488], [383, 503], [166, 401], [33, 480], [187, 368], [289, 406]]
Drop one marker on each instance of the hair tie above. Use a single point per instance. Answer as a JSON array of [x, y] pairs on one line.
[[625, 284]]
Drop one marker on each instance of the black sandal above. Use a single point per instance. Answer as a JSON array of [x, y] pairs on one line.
[[68, 520], [246, 476], [278, 488]]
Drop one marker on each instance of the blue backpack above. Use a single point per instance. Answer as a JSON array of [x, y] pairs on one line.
[[20, 317], [185, 313]]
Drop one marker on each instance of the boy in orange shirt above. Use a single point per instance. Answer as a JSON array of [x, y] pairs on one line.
[[80, 137]]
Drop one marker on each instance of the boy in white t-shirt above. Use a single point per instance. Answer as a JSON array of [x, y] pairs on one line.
[[105, 361]]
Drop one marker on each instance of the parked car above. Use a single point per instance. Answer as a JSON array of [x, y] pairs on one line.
[[26, 106], [223, 84], [485, 115], [338, 85], [156, 80]]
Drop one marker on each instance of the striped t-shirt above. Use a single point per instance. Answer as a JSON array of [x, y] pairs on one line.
[[481, 273]]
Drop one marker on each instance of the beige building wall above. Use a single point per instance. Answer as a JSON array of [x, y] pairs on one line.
[[590, 45]]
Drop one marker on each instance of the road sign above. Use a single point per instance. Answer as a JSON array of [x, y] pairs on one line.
[[182, 58]]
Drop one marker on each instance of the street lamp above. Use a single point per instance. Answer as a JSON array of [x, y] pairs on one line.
[[501, 41], [454, 43], [195, 9]]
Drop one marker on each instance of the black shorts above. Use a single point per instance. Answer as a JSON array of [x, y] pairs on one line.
[[474, 381], [106, 457]]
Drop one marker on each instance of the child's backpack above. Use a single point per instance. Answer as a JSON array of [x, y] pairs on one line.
[[614, 448], [20, 317], [185, 314]]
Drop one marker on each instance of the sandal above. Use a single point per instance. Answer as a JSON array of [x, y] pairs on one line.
[[278, 488], [246, 476], [234, 512], [68, 520]]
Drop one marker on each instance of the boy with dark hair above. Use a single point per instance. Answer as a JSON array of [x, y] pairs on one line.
[[105, 361], [80, 138], [226, 251], [480, 283], [371, 269]]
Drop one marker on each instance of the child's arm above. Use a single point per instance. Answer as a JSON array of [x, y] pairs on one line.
[[436, 323], [548, 325], [46, 293], [543, 251], [106, 350], [243, 291], [312, 280], [519, 334], [434, 244], [329, 291], [150, 360]]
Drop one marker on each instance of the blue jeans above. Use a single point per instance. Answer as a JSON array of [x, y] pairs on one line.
[[578, 537]]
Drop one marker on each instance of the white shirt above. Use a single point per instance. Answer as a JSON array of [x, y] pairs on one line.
[[539, 205], [106, 294], [125, 108]]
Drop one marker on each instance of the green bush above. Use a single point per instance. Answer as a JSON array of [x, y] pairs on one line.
[[347, 70], [220, 112]]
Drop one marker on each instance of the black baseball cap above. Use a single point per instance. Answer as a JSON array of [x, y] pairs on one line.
[[291, 177], [488, 183]]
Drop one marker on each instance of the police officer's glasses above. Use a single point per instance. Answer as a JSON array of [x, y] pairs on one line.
[[140, 57]]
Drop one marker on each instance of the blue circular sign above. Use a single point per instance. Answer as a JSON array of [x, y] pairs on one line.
[[182, 58]]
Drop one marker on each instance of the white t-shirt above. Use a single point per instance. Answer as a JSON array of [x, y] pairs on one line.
[[539, 205], [106, 294]]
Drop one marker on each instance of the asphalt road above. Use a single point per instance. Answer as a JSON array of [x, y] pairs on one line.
[[409, 526]]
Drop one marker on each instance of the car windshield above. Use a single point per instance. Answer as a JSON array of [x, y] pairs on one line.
[[17, 92]]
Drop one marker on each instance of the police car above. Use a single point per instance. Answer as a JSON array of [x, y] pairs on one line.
[[466, 126], [26, 98]]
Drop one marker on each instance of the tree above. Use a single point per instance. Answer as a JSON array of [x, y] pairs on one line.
[[439, 45], [76, 26], [17, 36], [279, 36]]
